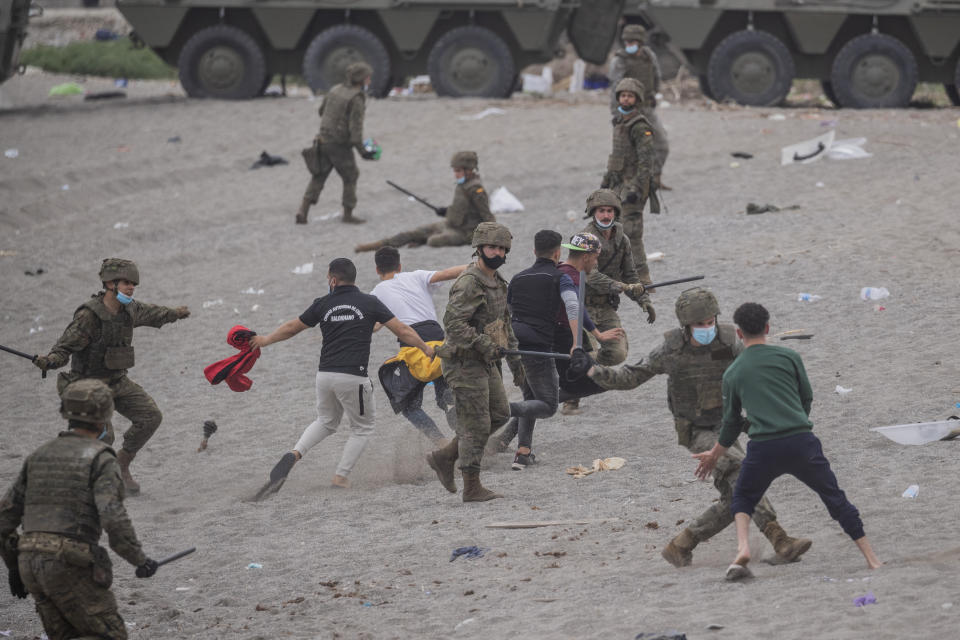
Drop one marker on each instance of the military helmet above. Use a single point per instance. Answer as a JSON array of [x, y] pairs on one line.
[[633, 32], [696, 305], [119, 269], [465, 160], [602, 198], [491, 233], [632, 85], [87, 400], [357, 72]]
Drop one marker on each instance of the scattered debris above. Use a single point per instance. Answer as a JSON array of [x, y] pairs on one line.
[[842, 390], [808, 297], [742, 154], [912, 491], [807, 151], [490, 111], [754, 208], [174, 139], [105, 95], [121, 225], [255, 565], [656, 256], [209, 428], [502, 201], [11, 153], [874, 293], [863, 601], [849, 149], [302, 270], [267, 160], [66, 89], [38, 272], [464, 623], [212, 303], [252, 291], [542, 523], [468, 552], [606, 464]]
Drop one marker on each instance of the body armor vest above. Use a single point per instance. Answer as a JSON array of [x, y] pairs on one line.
[[110, 354], [640, 66], [534, 296], [695, 375], [489, 317], [59, 496], [335, 122], [624, 155], [461, 214]]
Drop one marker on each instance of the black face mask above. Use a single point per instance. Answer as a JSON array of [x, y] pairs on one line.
[[493, 263]]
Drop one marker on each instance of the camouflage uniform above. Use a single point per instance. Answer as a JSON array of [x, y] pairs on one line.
[[67, 492], [631, 167], [476, 322], [341, 131], [616, 266], [643, 67], [99, 345]]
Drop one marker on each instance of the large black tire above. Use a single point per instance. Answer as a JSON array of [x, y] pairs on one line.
[[828, 91], [750, 67], [874, 71], [471, 61], [222, 62], [952, 89], [334, 49], [705, 87]]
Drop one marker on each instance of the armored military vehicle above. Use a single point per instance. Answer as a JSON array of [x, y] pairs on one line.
[[866, 53], [13, 29], [468, 47]]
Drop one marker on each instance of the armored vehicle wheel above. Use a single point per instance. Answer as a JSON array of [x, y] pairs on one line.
[[471, 61], [335, 48], [828, 91], [750, 67], [221, 62], [874, 71], [705, 87]]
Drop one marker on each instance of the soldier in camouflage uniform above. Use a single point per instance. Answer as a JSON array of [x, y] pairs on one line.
[[99, 344], [469, 208], [478, 329], [630, 167], [638, 61], [68, 491], [694, 358], [618, 271], [341, 131]]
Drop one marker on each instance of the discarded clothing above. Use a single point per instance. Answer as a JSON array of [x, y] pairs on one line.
[[754, 208], [606, 464], [863, 601], [669, 635], [267, 160], [742, 154], [232, 369], [468, 552]]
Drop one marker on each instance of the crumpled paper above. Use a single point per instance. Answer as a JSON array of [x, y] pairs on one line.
[[606, 464]]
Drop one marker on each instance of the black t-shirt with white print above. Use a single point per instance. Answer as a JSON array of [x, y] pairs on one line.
[[346, 318]]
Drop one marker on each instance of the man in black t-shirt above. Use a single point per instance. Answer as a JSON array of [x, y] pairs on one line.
[[346, 318]]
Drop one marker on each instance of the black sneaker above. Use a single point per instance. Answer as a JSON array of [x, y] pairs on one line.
[[521, 461]]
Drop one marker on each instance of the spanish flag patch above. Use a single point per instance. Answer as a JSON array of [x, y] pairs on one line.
[[648, 133], [479, 189]]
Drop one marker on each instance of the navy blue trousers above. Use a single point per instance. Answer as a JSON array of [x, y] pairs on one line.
[[801, 456]]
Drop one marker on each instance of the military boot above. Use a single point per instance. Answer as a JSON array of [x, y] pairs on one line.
[[368, 246], [442, 460], [302, 213], [788, 549], [124, 458], [473, 491], [349, 218], [679, 552]]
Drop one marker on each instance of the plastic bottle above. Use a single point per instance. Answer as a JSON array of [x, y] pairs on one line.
[[874, 293], [807, 297], [912, 491]]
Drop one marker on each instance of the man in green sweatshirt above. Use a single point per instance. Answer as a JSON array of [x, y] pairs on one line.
[[771, 384]]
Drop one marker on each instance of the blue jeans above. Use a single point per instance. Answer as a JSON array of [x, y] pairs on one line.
[[801, 456]]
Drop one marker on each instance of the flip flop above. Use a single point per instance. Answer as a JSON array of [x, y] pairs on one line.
[[736, 572]]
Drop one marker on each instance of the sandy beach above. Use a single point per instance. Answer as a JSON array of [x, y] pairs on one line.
[[166, 181]]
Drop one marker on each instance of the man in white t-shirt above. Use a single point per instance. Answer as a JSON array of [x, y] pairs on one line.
[[409, 295]]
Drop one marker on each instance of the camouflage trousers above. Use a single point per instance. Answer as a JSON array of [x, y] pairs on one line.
[[437, 234], [612, 352], [633, 228], [481, 404], [340, 157], [718, 516], [69, 602], [133, 403], [661, 146]]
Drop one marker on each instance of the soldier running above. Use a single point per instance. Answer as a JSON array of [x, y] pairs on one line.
[[638, 61], [470, 207], [69, 491], [341, 131], [98, 342], [694, 358], [477, 325]]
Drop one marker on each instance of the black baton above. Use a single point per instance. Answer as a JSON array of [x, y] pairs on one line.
[[176, 556], [22, 355], [541, 354], [657, 285]]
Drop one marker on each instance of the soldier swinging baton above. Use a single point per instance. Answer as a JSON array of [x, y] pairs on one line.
[[31, 358]]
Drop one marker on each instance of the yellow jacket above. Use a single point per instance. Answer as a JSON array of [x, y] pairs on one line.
[[421, 367]]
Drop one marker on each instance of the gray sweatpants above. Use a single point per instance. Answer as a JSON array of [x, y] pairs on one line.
[[339, 394]]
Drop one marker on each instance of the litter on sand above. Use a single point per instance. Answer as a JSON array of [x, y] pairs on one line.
[[912, 491], [254, 565], [66, 89], [330, 216], [656, 256], [605, 464], [121, 225], [11, 153], [105, 95], [267, 160], [464, 623], [874, 293], [669, 635], [849, 149], [467, 552], [742, 154], [502, 201], [807, 151], [864, 600], [212, 303], [753, 208], [303, 269], [842, 390], [490, 111]]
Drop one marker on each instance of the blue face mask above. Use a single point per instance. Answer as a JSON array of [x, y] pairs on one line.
[[625, 111], [602, 225], [632, 48], [461, 179], [705, 335], [123, 299], [103, 434]]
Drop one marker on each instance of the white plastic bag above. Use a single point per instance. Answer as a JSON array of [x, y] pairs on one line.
[[502, 201], [849, 149]]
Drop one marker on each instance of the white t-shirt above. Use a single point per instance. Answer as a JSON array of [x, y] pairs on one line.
[[408, 295]]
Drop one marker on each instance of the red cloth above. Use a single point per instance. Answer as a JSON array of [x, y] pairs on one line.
[[232, 369]]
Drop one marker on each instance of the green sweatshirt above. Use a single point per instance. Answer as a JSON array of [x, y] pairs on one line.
[[771, 384]]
